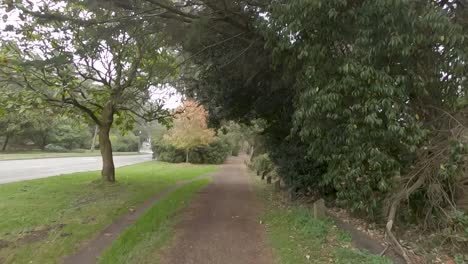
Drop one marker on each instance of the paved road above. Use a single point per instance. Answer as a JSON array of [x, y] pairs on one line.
[[20, 170]]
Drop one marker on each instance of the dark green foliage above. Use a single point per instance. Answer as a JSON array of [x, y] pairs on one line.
[[71, 136], [262, 164], [55, 148], [364, 101], [235, 135], [301, 174], [351, 92], [166, 152], [214, 153], [37, 128], [362, 90], [125, 143]]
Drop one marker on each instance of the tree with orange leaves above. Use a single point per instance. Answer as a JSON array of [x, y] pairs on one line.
[[190, 128]]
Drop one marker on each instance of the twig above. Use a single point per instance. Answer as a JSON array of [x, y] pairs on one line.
[[384, 250]]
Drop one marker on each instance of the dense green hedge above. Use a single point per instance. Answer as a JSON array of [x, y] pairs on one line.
[[213, 153], [166, 152]]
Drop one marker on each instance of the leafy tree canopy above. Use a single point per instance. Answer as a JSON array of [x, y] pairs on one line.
[[87, 59], [190, 128]]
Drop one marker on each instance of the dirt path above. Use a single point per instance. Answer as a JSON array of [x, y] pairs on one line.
[[221, 226]]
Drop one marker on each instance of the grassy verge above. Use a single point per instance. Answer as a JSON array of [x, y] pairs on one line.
[[152, 231], [45, 154], [45, 219], [299, 238]]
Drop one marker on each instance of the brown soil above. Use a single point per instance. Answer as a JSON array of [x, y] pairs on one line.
[[90, 251], [222, 224], [4, 244], [38, 235]]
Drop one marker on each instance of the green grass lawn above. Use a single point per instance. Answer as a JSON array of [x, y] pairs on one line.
[[298, 238], [142, 241], [45, 154], [43, 220]]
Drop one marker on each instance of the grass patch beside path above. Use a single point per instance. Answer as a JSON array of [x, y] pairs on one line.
[[153, 230], [43, 220], [298, 238], [45, 154]]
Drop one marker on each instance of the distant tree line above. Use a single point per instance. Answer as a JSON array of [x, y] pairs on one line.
[[42, 129]]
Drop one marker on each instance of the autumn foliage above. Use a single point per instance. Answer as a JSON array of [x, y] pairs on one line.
[[190, 128]]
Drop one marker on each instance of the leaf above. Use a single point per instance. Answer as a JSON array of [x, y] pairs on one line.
[[346, 68], [332, 13]]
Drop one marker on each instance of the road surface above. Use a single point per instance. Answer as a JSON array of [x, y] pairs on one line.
[[20, 170]]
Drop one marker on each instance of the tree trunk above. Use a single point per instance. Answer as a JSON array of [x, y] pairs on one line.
[[108, 169], [277, 185], [7, 138], [93, 144], [186, 156], [252, 150], [43, 142]]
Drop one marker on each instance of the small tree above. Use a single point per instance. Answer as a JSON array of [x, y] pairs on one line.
[[190, 128]]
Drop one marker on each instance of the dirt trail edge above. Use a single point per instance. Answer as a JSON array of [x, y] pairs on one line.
[[92, 250], [221, 225]]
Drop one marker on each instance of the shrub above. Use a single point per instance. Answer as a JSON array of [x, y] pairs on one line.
[[70, 136], [214, 153], [166, 152], [55, 148], [262, 163], [127, 143], [298, 172]]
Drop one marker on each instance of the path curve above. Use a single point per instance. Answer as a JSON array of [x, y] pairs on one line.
[[221, 225]]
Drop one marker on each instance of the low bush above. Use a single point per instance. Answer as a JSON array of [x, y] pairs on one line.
[[127, 143], [166, 152], [214, 153], [262, 163], [55, 148], [71, 136]]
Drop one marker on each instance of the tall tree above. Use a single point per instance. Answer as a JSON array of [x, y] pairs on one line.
[[190, 128], [105, 70]]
